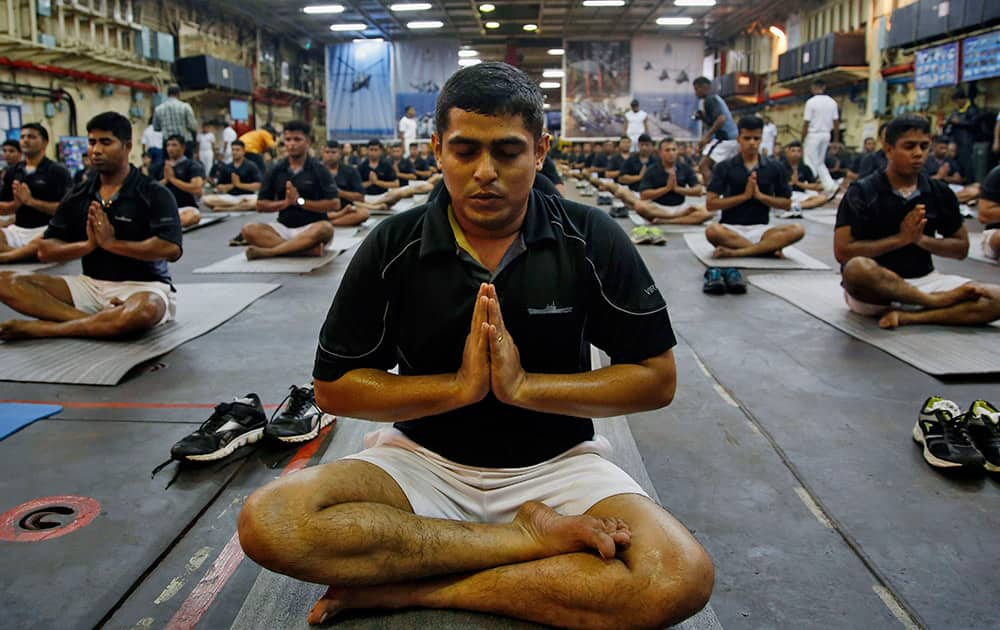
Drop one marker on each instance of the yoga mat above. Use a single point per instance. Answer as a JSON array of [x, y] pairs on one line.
[[794, 258], [824, 216], [29, 267], [200, 308], [676, 228], [975, 249], [16, 416], [207, 220], [343, 240], [937, 350]]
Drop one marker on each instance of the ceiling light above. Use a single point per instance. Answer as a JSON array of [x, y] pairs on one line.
[[603, 3], [468, 53], [492, 25], [550, 85], [410, 6], [319, 9], [694, 3], [487, 8], [777, 32], [546, 106], [556, 51], [553, 74], [674, 21], [427, 24], [468, 62], [530, 27], [373, 40], [348, 27]]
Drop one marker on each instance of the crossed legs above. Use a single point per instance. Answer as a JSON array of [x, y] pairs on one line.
[[8, 254], [266, 243], [189, 216], [683, 215], [731, 244]]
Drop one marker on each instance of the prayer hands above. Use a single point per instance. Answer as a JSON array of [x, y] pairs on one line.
[[168, 171], [943, 170], [99, 226], [22, 193], [372, 177], [912, 227], [234, 179], [291, 194], [672, 181], [490, 360], [751, 191], [474, 374]]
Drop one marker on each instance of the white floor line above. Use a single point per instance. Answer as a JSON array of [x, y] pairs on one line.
[[894, 607], [724, 395], [177, 583], [702, 365], [813, 507]]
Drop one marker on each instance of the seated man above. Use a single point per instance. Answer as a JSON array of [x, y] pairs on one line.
[[885, 235], [402, 166], [551, 173], [353, 210], [32, 190], [84, 173], [492, 387], [125, 226], [744, 188], [989, 214], [302, 191], [807, 192], [238, 183], [11, 154], [668, 188], [424, 165], [377, 173], [874, 161], [634, 168], [940, 166], [183, 177], [616, 161]]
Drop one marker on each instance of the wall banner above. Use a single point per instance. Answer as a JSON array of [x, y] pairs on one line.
[[596, 88], [359, 103]]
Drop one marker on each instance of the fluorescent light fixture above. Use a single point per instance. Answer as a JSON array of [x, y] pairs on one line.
[[777, 32], [469, 62], [546, 106], [348, 27], [556, 51], [530, 27], [426, 24], [320, 9], [553, 74], [550, 85], [603, 3], [486, 7], [694, 3], [411, 6], [468, 53], [492, 25], [373, 40], [674, 21]]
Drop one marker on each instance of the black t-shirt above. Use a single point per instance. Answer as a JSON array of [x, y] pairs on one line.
[[82, 175], [383, 171], [422, 164], [874, 211], [633, 166], [572, 278], [50, 181], [544, 185], [549, 170], [248, 174], [991, 191], [578, 160], [715, 107], [348, 179], [872, 163], [932, 165], [404, 166], [729, 178], [806, 175], [141, 209], [184, 170], [314, 182], [615, 163], [218, 171], [656, 177], [600, 162]]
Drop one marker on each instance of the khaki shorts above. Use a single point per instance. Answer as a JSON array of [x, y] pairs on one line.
[[930, 283], [93, 296], [20, 236], [988, 251], [570, 483]]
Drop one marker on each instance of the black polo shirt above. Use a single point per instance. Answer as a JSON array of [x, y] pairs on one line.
[[50, 181], [217, 172], [422, 164], [806, 175], [729, 178], [141, 209], [248, 174], [572, 278], [656, 177], [932, 165], [874, 211], [544, 185], [872, 163], [633, 166], [549, 170], [383, 171], [184, 170], [991, 191], [615, 163], [599, 163], [347, 178], [578, 160], [313, 181]]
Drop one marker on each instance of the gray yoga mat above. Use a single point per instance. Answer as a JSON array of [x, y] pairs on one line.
[[343, 240], [672, 228], [207, 220], [821, 215], [200, 308], [277, 601], [30, 267], [794, 258], [975, 249], [937, 350]]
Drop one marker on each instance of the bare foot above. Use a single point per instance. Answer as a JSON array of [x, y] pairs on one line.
[[778, 253], [253, 252], [560, 534], [724, 252], [326, 607], [890, 320], [13, 329], [317, 251], [964, 293]]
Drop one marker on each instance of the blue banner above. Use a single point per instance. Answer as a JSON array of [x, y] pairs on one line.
[[359, 102], [420, 71]]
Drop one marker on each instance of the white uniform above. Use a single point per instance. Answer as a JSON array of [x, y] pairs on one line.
[[228, 138], [636, 126], [408, 127], [205, 152], [767, 139], [821, 112]]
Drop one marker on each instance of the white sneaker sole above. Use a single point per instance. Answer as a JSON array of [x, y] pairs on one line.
[[324, 420], [247, 438], [918, 437]]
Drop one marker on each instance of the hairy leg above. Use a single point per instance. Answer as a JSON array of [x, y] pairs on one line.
[[696, 216], [866, 280], [705, 168], [721, 236], [20, 254], [994, 241], [972, 312], [139, 312], [38, 295], [359, 216], [311, 242], [261, 235], [771, 243]]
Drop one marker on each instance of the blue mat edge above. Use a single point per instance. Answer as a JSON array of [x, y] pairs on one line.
[[33, 410]]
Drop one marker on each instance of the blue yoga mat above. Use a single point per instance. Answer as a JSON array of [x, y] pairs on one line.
[[15, 416]]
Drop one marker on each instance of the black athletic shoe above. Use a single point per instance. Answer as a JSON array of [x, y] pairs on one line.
[[984, 429], [618, 212], [297, 419], [238, 241], [714, 284], [231, 425], [734, 280], [943, 431]]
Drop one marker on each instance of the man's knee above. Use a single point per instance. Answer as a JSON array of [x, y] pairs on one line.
[[666, 598], [858, 271], [142, 312], [794, 232], [715, 232], [323, 230]]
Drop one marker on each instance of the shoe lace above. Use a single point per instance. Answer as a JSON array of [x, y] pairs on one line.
[[298, 399], [223, 413], [955, 429]]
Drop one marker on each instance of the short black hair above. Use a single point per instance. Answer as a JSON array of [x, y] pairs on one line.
[[820, 83], [12, 143], [238, 143], [301, 126], [941, 139], [113, 122], [492, 88], [793, 144], [701, 81], [176, 137], [375, 142], [665, 140], [751, 123], [332, 144], [624, 138], [902, 124], [644, 137], [42, 131], [882, 127], [174, 90], [959, 93]]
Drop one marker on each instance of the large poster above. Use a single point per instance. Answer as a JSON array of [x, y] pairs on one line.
[[597, 89], [359, 104], [419, 72], [662, 72]]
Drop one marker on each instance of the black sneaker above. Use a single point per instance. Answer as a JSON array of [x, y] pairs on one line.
[[714, 284], [297, 419], [984, 429], [231, 425], [238, 240], [942, 429], [734, 280]]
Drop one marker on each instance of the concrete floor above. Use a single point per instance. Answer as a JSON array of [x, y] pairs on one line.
[[786, 451]]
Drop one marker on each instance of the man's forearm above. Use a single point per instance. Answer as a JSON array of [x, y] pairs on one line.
[[153, 248], [805, 130], [715, 202], [9, 207], [322, 206], [264, 205], [224, 188], [689, 191], [194, 187], [383, 397], [948, 247], [629, 179], [407, 176], [46, 207], [54, 250], [779, 203], [989, 211], [653, 193], [351, 196], [387, 184], [868, 249]]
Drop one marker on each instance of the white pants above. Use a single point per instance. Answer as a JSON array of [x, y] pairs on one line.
[[19, 237], [931, 283], [988, 251], [93, 296], [287, 233], [814, 154]]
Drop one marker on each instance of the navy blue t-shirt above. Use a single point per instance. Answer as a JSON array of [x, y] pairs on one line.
[[383, 171], [729, 178], [314, 182], [656, 177], [991, 191]]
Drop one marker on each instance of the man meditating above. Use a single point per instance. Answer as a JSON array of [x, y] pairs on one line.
[[491, 492], [668, 188], [352, 210], [32, 190], [126, 228], [239, 183], [302, 191], [183, 177], [888, 226], [807, 191], [989, 214], [745, 187]]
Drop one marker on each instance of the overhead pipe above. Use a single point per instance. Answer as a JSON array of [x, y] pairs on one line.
[[76, 74], [53, 94], [900, 69]]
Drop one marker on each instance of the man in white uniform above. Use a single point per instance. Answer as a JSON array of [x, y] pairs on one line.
[[408, 129], [636, 123], [206, 147], [228, 138], [821, 117], [768, 137]]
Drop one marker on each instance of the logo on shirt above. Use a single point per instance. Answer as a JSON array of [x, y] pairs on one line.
[[551, 309], [118, 217], [650, 290]]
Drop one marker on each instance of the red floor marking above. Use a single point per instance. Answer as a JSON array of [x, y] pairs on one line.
[[212, 583], [86, 508], [123, 405]]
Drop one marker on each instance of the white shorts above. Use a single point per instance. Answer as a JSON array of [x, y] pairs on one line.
[[956, 187], [20, 236], [570, 483], [931, 283], [93, 296], [752, 233], [287, 233], [798, 196], [988, 251], [719, 150]]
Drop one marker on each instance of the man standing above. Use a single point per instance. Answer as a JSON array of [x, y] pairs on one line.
[[206, 147], [490, 319], [32, 190], [174, 117], [183, 177], [768, 137], [718, 140], [636, 122], [408, 129], [820, 119], [961, 127], [376, 172], [667, 188], [349, 188], [228, 138], [125, 227]]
